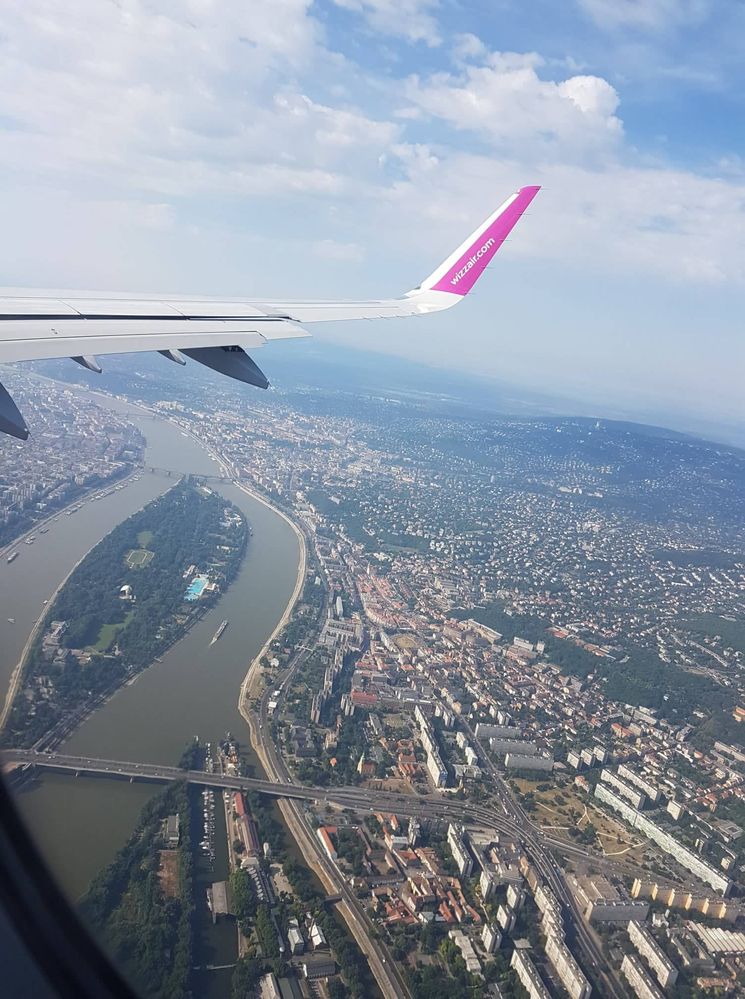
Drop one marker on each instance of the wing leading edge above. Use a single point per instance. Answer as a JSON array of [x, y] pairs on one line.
[[216, 332]]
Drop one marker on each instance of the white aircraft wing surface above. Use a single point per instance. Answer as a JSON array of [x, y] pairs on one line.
[[216, 332]]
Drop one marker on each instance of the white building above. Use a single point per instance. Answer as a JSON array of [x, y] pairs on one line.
[[513, 761], [632, 794], [506, 918], [686, 858], [529, 977], [491, 938], [651, 790], [570, 973], [459, 849], [464, 945], [663, 968], [497, 731], [636, 975]]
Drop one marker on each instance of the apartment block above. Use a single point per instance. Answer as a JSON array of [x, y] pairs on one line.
[[636, 975], [663, 968], [528, 975], [515, 761], [686, 858], [459, 849], [632, 777], [632, 794], [570, 973]]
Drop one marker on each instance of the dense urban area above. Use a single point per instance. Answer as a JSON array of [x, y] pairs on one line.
[[514, 674]]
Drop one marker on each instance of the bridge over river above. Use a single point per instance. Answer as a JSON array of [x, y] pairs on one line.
[[352, 797]]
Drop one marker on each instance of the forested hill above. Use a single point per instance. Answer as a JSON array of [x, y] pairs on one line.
[[126, 603]]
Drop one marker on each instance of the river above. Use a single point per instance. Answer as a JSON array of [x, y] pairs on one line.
[[80, 823]]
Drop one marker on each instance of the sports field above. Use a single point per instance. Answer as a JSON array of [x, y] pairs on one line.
[[138, 558]]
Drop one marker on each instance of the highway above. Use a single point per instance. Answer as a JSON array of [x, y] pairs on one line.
[[433, 806], [535, 846], [386, 971]]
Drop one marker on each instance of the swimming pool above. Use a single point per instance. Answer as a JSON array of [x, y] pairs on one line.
[[196, 587]]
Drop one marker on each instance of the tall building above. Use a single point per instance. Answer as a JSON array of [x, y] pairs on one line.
[[529, 977], [570, 973], [651, 790], [632, 794], [459, 849], [491, 938], [636, 975], [663, 968], [685, 857], [513, 761]]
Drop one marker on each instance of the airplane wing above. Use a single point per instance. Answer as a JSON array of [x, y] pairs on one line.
[[216, 332]]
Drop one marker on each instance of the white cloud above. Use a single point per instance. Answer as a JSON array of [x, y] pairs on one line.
[[183, 99], [410, 19], [506, 101], [654, 15]]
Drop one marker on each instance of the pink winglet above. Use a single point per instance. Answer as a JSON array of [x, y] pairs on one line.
[[468, 268]]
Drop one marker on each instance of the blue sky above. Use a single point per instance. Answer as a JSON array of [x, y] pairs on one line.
[[343, 147]]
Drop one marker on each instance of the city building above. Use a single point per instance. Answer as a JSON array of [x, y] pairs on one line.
[[651, 790], [528, 975], [602, 903], [269, 987], [636, 975], [636, 797], [570, 973], [459, 849], [663, 968], [506, 918], [464, 945], [172, 830], [513, 761], [491, 938], [318, 966], [295, 938], [685, 857]]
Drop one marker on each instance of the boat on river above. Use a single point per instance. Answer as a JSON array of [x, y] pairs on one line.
[[218, 634]]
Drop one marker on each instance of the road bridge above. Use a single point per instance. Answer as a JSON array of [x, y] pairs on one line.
[[347, 796]]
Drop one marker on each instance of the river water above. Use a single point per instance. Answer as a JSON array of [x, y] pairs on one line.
[[80, 823]]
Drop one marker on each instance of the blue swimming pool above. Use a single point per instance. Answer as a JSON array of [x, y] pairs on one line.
[[196, 586]]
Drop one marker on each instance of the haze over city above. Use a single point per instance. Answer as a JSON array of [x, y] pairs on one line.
[[341, 148], [405, 660]]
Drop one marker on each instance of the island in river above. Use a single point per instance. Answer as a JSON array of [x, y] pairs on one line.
[[131, 598]]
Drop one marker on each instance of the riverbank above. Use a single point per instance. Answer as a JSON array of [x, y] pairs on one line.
[[193, 691], [254, 669], [78, 500], [19, 670]]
